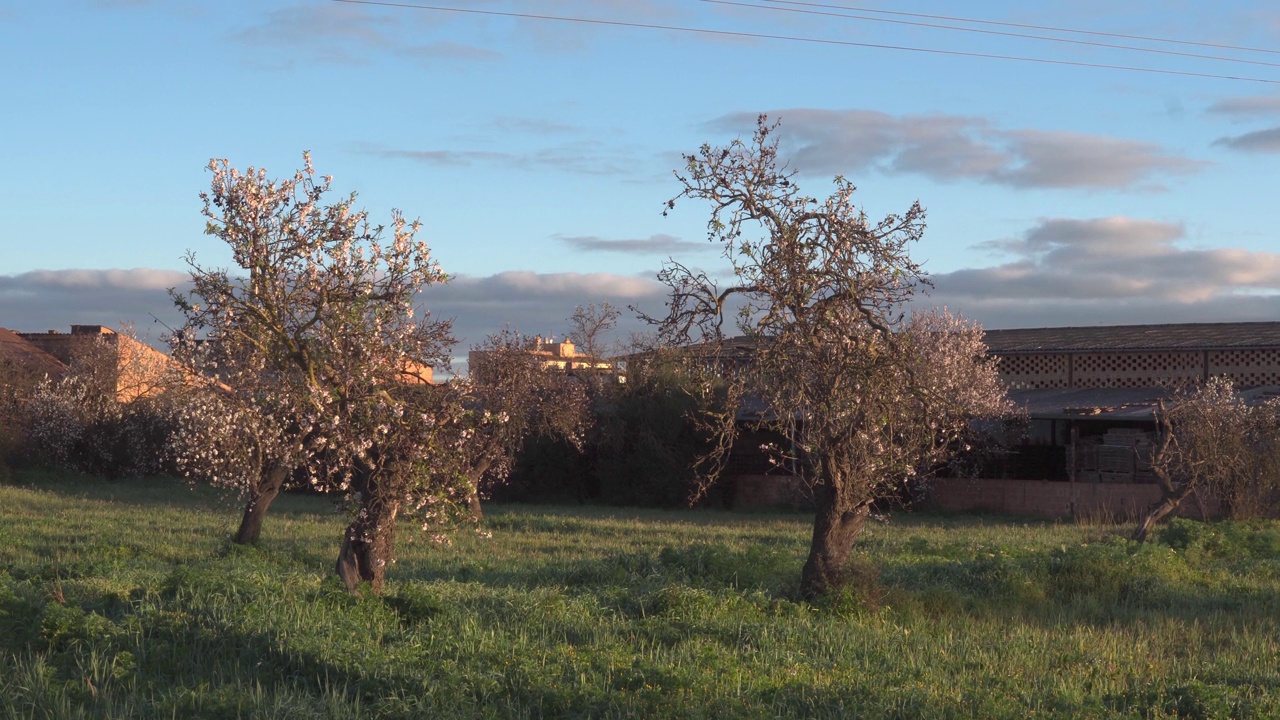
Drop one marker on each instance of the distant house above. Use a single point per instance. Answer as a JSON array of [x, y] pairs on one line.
[[1090, 394], [140, 370], [415, 373], [552, 355]]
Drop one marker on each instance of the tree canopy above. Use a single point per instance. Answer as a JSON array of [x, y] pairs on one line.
[[865, 396], [1211, 440], [322, 355]]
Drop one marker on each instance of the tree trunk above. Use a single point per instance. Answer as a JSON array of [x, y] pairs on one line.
[[476, 476], [473, 503], [1162, 460], [1159, 511], [369, 541], [836, 525], [260, 499]]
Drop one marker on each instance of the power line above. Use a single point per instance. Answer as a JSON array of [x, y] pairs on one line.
[[820, 41], [1024, 26], [986, 32]]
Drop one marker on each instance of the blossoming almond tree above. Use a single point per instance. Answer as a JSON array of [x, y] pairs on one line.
[[322, 355], [865, 397]]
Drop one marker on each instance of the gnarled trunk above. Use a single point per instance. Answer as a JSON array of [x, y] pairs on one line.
[[475, 510], [1171, 493], [369, 542], [1160, 510], [476, 475], [260, 499], [836, 525]]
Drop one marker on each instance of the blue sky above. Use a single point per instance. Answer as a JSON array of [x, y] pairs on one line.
[[538, 153]]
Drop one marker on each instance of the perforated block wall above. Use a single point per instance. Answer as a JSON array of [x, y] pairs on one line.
[[1032, 372], [1247, 368], [1135, 369]]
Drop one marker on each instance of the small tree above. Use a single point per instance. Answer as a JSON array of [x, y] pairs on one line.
[[1212, 440], [318, 333], [511, 397], [865, 398], [589, 327]]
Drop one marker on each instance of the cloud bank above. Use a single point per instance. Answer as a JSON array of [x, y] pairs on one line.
[[1109, 271], [1100, 271], [56, 299], [659, 244], [531, 302], [954, 147], [537, 303]]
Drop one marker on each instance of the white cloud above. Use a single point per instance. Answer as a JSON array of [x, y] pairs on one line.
[[136, 279], [1245, 108], [452, 51], [1111, 270], [956, 147]]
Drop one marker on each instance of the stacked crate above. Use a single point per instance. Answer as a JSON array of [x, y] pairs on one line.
[[1086, 451], [1125, 456]]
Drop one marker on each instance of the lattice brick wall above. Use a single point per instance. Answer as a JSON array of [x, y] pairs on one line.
[[1028, 372], [1247, 368], [1135, 369]]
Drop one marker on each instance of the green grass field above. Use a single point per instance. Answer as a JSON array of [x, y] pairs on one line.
[[125, 600]]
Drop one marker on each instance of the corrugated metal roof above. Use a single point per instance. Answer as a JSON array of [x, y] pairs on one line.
[[1109, 403], [1090, 403], [1185, 336]]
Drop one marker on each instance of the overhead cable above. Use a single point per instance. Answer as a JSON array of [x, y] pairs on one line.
[[1026, 26], [821, 41], [1132, 48]]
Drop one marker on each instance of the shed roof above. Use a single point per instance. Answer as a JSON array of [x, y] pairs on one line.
[[1109, 403], [1184, 336], [1089, 403]]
